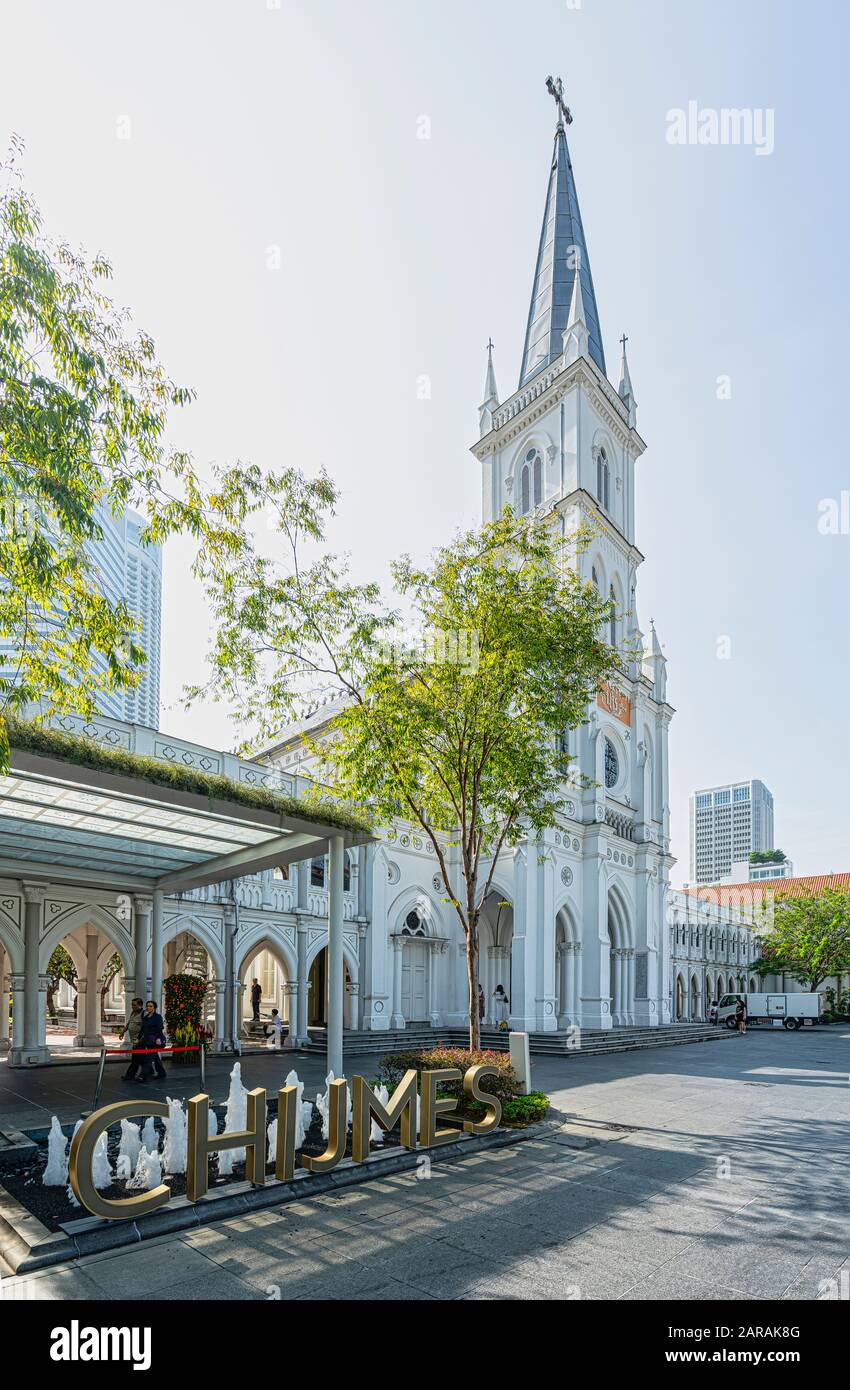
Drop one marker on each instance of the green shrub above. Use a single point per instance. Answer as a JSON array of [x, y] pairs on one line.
[[505, 1085], [525, 1110]]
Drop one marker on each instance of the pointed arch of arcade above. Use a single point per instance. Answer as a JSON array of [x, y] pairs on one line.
[[568, 965], [622, 954], [317, 977], [12, 943], [89, 914], [495, 939], [694, 1010], [191, 924], [257, 941], [117, 940], [680, 1000]]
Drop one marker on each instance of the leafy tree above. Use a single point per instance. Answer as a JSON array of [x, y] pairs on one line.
[[60, 967], [84, 405], [810, 937], [767, 856], [460, 732]]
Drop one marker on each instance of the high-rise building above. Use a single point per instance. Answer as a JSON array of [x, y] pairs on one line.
[[726, 824], [132, 572]]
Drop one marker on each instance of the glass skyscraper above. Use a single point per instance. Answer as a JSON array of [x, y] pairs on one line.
[[125, 570]]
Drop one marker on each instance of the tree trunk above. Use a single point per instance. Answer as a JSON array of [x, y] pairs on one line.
[[472, 981]]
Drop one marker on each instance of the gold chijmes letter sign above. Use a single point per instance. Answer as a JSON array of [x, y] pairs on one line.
[[401, 1110]]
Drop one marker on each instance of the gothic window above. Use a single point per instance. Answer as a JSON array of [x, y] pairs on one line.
[[612, 764], [612, 621], [413, 925], [538, 480], [525, 499], [594, 578], [317, 872], [602, 479]]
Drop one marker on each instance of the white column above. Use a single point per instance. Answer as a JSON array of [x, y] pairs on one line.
[[16, 989], [576, 1011], [354, 1004], [230, 1036], [617, 1001], [570, 971], [290, 1010], [397, 1018], [429, 994], [88, 1000], [630, 985], [302, 1032], [563, 962], [141, 935], [336, 963], [156, 950], [219, 1043], [28, 1006], [5, 1043]]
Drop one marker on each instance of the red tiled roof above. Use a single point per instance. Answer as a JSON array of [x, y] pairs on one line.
[[739, 893]]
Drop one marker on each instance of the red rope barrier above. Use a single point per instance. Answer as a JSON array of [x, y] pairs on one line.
[[146, 1051]]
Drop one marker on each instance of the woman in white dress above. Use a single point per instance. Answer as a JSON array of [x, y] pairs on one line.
[[500, 1007]]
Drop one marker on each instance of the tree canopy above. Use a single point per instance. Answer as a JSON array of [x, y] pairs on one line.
[[809, 938], [84, 406], [458, 726]]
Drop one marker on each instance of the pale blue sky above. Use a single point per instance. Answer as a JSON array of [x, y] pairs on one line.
[[253, 127]]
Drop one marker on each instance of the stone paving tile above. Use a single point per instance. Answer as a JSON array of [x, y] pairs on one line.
[[215, 1287], [63, 1282], [765, 1270], [820, 1279], [662, 1284], [148, 1267]]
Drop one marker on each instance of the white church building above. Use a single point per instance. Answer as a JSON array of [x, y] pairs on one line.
[[578, 926]]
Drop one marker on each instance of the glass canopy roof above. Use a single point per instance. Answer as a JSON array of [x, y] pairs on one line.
[[63, 821]]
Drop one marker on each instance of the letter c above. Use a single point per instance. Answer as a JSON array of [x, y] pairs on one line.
[[82, 1154]]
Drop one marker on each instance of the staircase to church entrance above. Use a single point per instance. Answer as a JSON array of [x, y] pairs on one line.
[[594, 1042]]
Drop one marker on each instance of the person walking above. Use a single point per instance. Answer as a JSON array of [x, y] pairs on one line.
[[131, 1031], [276, 1034], [152, 1036], [256, 996], [741, 1016], [481, 1003]]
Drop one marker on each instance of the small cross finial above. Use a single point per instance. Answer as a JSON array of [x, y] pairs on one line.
[[490, 345], [623, 341], [555, 88]]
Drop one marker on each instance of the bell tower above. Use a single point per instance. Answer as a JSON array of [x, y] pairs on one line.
[[563, 450]]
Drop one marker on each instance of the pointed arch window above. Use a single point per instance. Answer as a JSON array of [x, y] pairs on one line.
[[603, 476], [525, 495], [531, 481], [612, 621]]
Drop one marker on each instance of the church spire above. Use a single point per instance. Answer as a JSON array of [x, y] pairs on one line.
[[627, 395], [561, 258], [491, 394]]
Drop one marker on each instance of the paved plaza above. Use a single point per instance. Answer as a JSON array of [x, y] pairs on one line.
[[714, 1170]]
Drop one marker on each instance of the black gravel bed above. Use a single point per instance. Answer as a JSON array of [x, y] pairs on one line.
[[51, 1205]]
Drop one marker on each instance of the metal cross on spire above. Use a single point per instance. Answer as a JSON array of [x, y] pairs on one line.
[[555, 88]]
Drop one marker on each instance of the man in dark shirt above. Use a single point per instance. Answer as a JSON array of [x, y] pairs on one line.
[[256, 996], [152, 1035]]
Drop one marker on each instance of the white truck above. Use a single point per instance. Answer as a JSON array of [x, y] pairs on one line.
[[792, 1010]]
